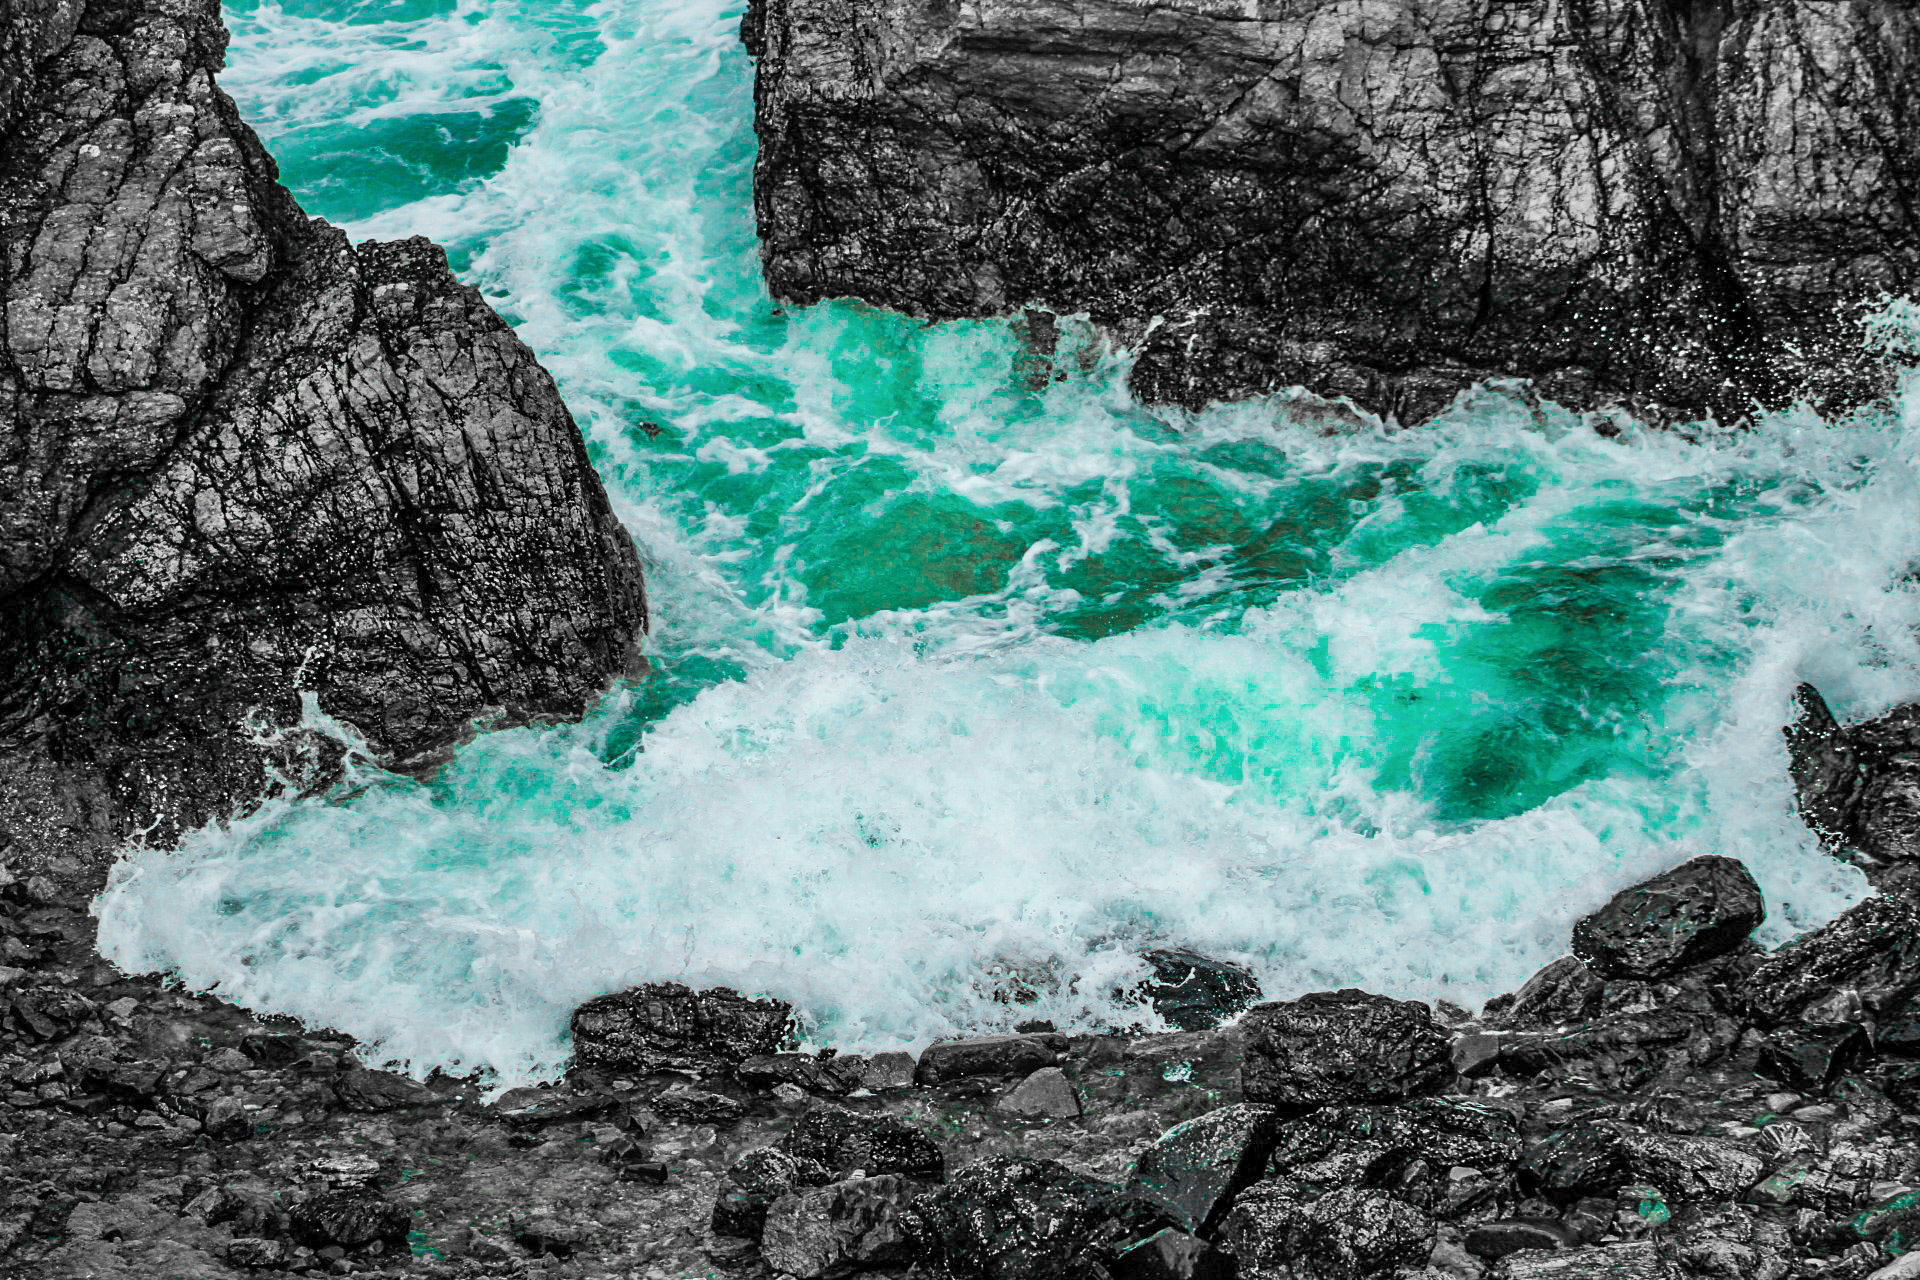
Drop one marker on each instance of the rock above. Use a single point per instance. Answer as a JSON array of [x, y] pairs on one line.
[[1867, 958], [1386, 203], [699, 1106], [1646, 1261], [370, 1091], [1475, 1052], [272, 1048], [252, 1251], [1700, 910], [1495, 1240], [1905, 1267], [1193, 992], [250, 461], [753, 1183], [1823, 766], [1575, 1161], [886, 1071], [663, 1026], [1623, 1051], [1813, 1058], [1344, 1046], [1692, 1170], [1859, 788], [1192, 1173], [226, 1119], [1344, 1235], [1017, 1055], [349, 1219], [834, 1076], [1008, 1218], [1168, 1254], [1047, 1094], [844, 1140], [1445, 1156], [530, 1107], [839, 1228]]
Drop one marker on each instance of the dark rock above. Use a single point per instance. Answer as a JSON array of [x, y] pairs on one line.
[[700, 1106], [249, 461], [252, 1251], [1344, 1046], [1047, 1094], [1411, 1149], [1643, 1261], [1007, 1218], [1494, 1240], [1813, 1058], [846, 1226], [349, 1219], [273, 1048], [1475, 1052], [227, 1119], [546, 1236], [1576, 1161], [1344, 1235], [1700, 910], [1194, 1170], [368, 1090], [1823, 764], [755, 1181], [1169, 1254], [1017, 1055], [530, 1107], [887, 1071], [1382, 203], [1869, 957], [833, 1076], [663, 1026], [843, 1140], [1193, 992], [1624, 1051], [1692, 1170]]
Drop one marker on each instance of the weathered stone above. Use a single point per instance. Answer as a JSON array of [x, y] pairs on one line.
[[1007, 1218], [349, 1219], [1645, 1261], [754, 1182], [1823, 765], [1168, 1254], [884, 1071], [1691, 1170], [1344, 1046], [834, 1076], [529, 1107], [1193, 992], [1420, 1149], [1344, 1235], [1387, 202], [663, 1026], [1497, 1239], [252, 1251], [1868, 958], [1576, 1161], [844, 1140], [368, 1090], [1623, 1051], [1194, 1170], [1017, 1055], [1047, 1094], [1701, 909], [701, 1106], [837, 1229], [1812, 1058]]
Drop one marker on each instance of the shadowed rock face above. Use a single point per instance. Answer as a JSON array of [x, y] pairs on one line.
[[1672, 204], [246, 458]]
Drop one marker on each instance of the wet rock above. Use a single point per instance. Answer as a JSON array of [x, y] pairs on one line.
[[1344, 1235], [252, 1251], [1193, 992], [664, 1026], [1497, 1239], [1692, 1170], [273, 1048], [1643, 1261], [754, 1182], [1169, 1254], [1344, 1046], [1446, 1156], [371, 1091], [530, 1107], [1194, 1170], [1008, 1218], [885, 1071], [1813, 1058], [349, 1219], [1823, 764], [1016, 1055], [1700, 910], [1623, 1051], [700, 1106], [1867, 959], [1576, 1161], [833, 1076], [839, 1228], [844, 1140], [1047, 1094]]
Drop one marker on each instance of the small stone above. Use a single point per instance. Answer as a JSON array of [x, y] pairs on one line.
[[226, 1118], [700, 1106], [1016, 1055], [1047, 1094], [1476, 1052], [531, 1107], [348, 1219]]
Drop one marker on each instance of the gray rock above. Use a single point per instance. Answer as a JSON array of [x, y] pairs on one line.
[[834, 1230], [249, 460], [370, 1090], [1193, 992], [891, 1070], [1047, 1094], [845, 1140], [1196, 1168], [533, 1106], [1344, 1235], [1343, 1046], [1385, 202], [1645, 1261], [1497, 1239], [1016, 1055], [1867, 959], [1008, 1218], [1168, 1254], [1700, 910], [664, 1026], [349, 1219], [752, 1184], [1813, 1058]]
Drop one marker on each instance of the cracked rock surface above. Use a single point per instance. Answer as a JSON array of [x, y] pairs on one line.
[[245, 458], [1673, 205]]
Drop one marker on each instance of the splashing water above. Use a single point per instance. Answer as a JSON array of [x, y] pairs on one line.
[[958, 681]]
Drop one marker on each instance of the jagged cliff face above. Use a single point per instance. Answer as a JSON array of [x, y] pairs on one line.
[[246, 458], [1670, 203]]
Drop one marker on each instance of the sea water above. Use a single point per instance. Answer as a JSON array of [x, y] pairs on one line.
[[964, 689]]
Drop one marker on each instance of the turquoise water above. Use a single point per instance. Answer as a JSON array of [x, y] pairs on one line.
[[956, 682]]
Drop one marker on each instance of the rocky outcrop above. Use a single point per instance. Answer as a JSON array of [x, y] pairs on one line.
[[1667, 203], [1858, 787], [247, 459]]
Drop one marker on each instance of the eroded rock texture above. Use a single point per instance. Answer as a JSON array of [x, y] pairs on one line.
[[1675, 204], [245, 458]]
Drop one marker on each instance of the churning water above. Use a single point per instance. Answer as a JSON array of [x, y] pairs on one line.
[[955, 679]]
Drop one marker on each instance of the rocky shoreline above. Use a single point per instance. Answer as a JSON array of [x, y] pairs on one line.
[[1668, 1101]]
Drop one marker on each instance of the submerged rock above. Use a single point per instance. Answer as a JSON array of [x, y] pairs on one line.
[[663, 1026], [1700, 910], [1343, 1046], [1193, 992], [1386, 202], [1016, 1055]]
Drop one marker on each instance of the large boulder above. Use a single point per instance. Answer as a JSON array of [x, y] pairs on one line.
[[754, 1182], [1343, 1046], [1196, 1168], [1009, 1218], [846, 1226], [944, 1061], [1700, 910], [664, 1026], [845, 1140], [1867, 962], [1344, 1235], [249, 462], [1385, 201]]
